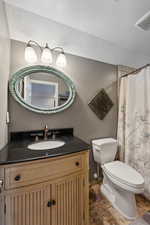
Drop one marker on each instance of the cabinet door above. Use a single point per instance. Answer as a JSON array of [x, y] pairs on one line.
[[28, 206], [71, 194], [2, 209]]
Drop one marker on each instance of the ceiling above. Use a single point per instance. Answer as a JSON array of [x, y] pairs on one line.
[[110, 20]]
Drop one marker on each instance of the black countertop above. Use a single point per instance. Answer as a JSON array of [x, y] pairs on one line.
[[17, 151]]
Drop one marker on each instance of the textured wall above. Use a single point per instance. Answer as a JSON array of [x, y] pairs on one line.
[[4, 73], [89, 77]]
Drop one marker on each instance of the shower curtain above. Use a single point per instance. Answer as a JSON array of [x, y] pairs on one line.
[[134, 123]]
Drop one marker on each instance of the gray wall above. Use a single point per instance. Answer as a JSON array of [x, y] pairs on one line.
[[89, 77], [4, 73]]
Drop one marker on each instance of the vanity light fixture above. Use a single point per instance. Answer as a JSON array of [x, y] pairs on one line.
[[61, 60], [46, 54], [30, 54]]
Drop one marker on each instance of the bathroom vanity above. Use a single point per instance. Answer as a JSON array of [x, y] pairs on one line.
[[44, 188]]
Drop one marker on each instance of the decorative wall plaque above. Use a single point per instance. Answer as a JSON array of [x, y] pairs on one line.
[[101, 104]]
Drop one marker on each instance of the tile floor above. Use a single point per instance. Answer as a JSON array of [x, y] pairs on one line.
[[102, 213]]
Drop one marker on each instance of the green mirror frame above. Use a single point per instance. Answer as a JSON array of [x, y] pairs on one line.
[[16, 77]]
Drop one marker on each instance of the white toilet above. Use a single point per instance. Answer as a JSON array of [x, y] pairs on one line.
[[120, 182]]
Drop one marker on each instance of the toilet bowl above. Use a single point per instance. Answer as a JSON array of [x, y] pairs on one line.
[[121, 182]]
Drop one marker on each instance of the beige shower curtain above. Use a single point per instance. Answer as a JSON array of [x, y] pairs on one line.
[[134, 123]]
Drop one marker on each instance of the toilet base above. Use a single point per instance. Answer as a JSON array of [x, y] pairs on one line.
[[122, 200]]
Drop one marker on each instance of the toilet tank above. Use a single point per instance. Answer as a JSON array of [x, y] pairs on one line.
[[104, 150]]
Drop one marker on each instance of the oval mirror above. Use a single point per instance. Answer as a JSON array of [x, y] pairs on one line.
[[42, 89]]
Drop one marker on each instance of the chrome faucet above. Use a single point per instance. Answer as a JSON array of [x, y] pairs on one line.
[[45, 132]]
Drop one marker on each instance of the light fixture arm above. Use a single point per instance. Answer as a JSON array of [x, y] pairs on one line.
[[58, 48], [32, 43]]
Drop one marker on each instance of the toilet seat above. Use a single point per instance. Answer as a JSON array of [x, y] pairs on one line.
[[124, 175]]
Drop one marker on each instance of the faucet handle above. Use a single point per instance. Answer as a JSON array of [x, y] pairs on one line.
[[36, 138], [54, 134]]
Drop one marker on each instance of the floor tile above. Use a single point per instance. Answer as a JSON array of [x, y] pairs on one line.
[[102, 212]]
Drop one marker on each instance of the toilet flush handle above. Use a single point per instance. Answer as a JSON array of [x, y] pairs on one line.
[[97, 148]]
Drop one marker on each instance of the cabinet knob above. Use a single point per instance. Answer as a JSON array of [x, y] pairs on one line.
[[51, 203], [77, 163], [18, 177]]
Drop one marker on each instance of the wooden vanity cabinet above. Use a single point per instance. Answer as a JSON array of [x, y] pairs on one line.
[[38, 193]]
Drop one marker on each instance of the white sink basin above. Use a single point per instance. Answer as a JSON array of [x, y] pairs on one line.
[[45, 145]]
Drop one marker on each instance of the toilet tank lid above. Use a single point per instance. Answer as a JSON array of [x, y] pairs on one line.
[[102, 141]]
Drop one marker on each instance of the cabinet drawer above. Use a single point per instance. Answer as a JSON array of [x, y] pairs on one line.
[[36, 172]]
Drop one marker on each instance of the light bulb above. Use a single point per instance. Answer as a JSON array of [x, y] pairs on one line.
[[30, 54], [61, 60], [46, 56]]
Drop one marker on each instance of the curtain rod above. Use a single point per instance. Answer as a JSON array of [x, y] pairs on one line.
[[135, 71]]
